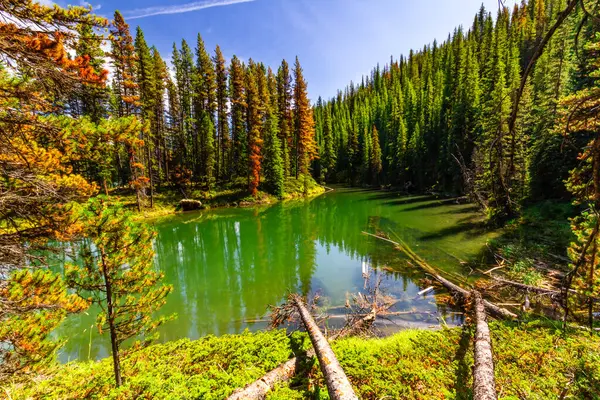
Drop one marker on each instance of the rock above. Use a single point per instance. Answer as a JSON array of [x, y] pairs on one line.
[[190, 204]]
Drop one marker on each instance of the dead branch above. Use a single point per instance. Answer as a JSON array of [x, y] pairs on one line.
[[528, 288], [538, 52]]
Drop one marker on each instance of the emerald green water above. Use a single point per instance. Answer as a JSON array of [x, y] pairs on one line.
[[228, 265]]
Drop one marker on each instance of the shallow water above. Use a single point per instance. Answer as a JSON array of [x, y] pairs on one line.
[[228, 265]]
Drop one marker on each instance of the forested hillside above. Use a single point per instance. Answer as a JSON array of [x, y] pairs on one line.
[[438, 118]]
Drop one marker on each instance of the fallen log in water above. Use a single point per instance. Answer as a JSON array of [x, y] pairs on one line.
[[338, 385], [529, 288], [484, 384], [493, 309]]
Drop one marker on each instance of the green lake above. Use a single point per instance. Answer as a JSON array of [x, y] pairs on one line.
[[228, 265]]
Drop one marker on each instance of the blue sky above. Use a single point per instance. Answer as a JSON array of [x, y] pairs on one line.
[[336, 40]]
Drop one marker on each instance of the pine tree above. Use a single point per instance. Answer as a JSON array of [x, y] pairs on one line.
[[581, 117], [148, 99], [273, 160], [284, 101], [205, 104], [207, 127], [254, 126], [222, 114], [118, 273], [38, 180], [161, 151], [126, 89], [237, 96], [91, 100], [304, 130], [183, 63]]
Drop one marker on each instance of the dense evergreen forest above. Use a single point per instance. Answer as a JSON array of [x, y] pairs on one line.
[[438, 119], [204, 121]]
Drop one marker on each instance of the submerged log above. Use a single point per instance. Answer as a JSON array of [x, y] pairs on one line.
[[493, 309], [338, 385], [484, 384], [496, 311], [529, 288]]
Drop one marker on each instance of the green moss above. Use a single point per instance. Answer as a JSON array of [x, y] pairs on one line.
[[533, 361], [208, 368]]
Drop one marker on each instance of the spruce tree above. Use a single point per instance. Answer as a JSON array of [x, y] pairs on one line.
[[237, 96], [284, 101], [375, 157], [254, 126], [273, 160], [304, 136], [223, 144]]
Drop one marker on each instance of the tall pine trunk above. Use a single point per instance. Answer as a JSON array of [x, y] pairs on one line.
[[111, 322]]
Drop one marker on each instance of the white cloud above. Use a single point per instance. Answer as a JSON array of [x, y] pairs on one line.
[[84, 3], [180, 8], [48, 3]]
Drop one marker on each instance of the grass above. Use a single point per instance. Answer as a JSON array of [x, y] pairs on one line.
[[234, 194], [533, 361]]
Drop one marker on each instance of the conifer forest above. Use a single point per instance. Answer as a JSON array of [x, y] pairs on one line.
[[200, 226]]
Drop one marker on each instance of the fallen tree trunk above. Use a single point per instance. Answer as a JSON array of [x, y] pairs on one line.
[[496, 311], [493, 309], [529, 288], [338, 385], [484, 384], [258, 389]]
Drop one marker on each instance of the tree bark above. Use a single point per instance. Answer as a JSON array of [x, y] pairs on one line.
[[111, 322], [338, 385], [258, 389], [493, 309], [484, 384], [528, 288]]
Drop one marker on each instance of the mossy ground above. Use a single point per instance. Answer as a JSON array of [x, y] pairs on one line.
[[533, 361], [536, 242], [234, 194]]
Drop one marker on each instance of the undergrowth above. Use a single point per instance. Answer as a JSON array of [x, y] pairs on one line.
[[536, 242], [533, 361]]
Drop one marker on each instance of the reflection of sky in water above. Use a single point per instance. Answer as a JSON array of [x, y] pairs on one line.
[[227, 266]]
